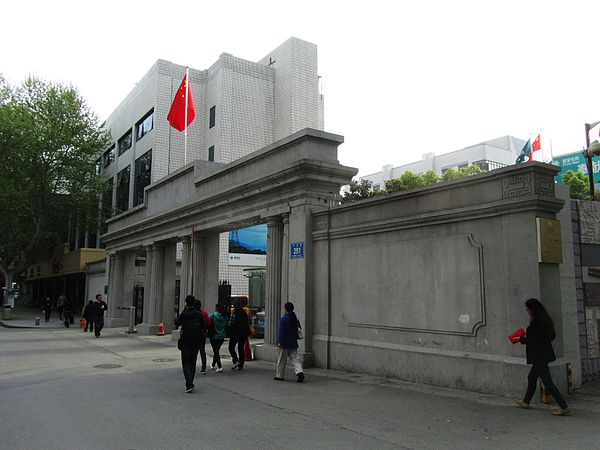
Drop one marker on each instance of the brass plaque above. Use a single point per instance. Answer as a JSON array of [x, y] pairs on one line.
[[549, 241]]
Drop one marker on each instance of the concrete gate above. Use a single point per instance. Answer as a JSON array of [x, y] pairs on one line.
[[281, 185], [423, 285]]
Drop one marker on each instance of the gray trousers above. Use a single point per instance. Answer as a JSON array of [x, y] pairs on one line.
[[283, 354]]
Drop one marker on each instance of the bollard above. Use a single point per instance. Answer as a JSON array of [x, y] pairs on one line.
[[569, 379], [131, 329], [37, 322], [544, 396]]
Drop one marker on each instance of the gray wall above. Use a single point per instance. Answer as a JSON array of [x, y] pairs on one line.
[[426, 285]]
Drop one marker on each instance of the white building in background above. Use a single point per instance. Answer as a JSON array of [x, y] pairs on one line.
[[488, 155], [241, 106]]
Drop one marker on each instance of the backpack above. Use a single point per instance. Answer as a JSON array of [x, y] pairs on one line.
[[192, 331]]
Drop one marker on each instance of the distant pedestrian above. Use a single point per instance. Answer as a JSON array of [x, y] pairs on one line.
[[68, 314], [239, 330], [47, 309], [98, 312], [88, 315], [198, 306], [217, 335], [538, 341], [287, 344], [193, 332], [60, 305]]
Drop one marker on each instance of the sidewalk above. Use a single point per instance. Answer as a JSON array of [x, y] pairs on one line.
[[22, 317]]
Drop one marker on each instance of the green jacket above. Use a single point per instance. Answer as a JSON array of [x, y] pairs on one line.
[[219, 323]]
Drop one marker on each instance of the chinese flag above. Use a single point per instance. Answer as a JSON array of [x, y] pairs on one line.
[[176, 115], [537, 144]]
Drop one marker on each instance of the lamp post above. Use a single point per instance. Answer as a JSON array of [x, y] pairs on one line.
[[589, 152]]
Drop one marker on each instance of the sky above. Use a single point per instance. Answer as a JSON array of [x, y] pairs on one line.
[[400, 78]]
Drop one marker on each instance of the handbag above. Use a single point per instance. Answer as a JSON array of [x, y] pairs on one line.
[[300, 333]]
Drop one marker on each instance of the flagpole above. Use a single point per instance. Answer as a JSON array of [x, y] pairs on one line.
[[187, 90]]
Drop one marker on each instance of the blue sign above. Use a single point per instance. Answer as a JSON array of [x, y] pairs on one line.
[[297, 250]]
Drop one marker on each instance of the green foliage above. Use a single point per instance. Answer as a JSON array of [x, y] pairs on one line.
[[408, 180], [578, 184], [49, 142]]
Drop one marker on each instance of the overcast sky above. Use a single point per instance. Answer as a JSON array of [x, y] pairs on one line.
[[400, 78]]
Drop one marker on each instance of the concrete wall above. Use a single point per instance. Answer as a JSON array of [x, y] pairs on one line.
[[426, 285]]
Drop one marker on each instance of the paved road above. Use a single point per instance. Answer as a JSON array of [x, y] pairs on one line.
[[53, 397]]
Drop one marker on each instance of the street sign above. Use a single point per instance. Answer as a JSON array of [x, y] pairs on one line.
[[297, 250], [576, 163]]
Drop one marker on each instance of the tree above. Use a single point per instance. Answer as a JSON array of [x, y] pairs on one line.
[[578, 185], [360, 190], [49, 142]]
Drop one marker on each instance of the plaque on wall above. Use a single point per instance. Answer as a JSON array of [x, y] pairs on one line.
[[549, 241]]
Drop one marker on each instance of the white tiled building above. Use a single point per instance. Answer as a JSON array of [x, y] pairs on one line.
[[241, 106], [488, 155]]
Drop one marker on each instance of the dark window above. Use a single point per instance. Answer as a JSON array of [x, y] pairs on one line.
[[99, 166], [109, 156], [212, 117], [144, 126], [123, 189], [143, 173], [463, 166], [107, 199], [211, 153], [125, 143]]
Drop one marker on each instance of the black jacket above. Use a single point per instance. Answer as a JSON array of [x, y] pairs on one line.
[[193, 328], [99, 308], [88, 311], [239, 325], [538, 344]]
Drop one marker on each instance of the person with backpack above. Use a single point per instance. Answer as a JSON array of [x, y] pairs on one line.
[[193, 333], [538, 347], [239, 330], [198, 306], [287, 344], [216, 334]]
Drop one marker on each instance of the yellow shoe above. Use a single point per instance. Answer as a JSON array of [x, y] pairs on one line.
[[560, 411], [523, 404]]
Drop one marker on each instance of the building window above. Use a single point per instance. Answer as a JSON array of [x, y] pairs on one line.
[[212, 117], [107, 199], [487, 165], [463, 165], [125, 142], [143, 174], [211, 153], [98, 166], [376, 186], [144, 126], [123, 189], [109, 156]]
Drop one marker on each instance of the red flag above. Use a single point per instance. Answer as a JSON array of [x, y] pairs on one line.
[[176, 115], [537, 144]]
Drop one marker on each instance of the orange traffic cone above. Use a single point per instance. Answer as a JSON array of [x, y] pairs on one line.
[[247, 351], [161, 329]]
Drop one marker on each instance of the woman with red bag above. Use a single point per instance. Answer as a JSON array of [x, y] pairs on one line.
[[538, 342]]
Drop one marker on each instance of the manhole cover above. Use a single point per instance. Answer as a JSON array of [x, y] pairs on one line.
[[164, 360], [108, 366]]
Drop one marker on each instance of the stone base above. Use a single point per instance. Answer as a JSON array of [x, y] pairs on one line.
[[147, 329], [115, 322], [265, 352]]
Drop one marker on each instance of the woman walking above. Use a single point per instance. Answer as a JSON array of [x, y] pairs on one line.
[[47, 309], [287, 344], [538, 341], [217, 335], [193, 332], [239, 330]]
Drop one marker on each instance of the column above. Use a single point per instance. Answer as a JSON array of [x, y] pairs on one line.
[[285, 259], [115, 290], [147, 291], [273, 288], [86, 237], [186, 259], [167, 311], [198, 244], [156, 283]]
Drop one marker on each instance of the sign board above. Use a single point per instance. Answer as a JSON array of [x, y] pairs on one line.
[[576, 163], [297, 250], [248, 246], [549, 241]]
